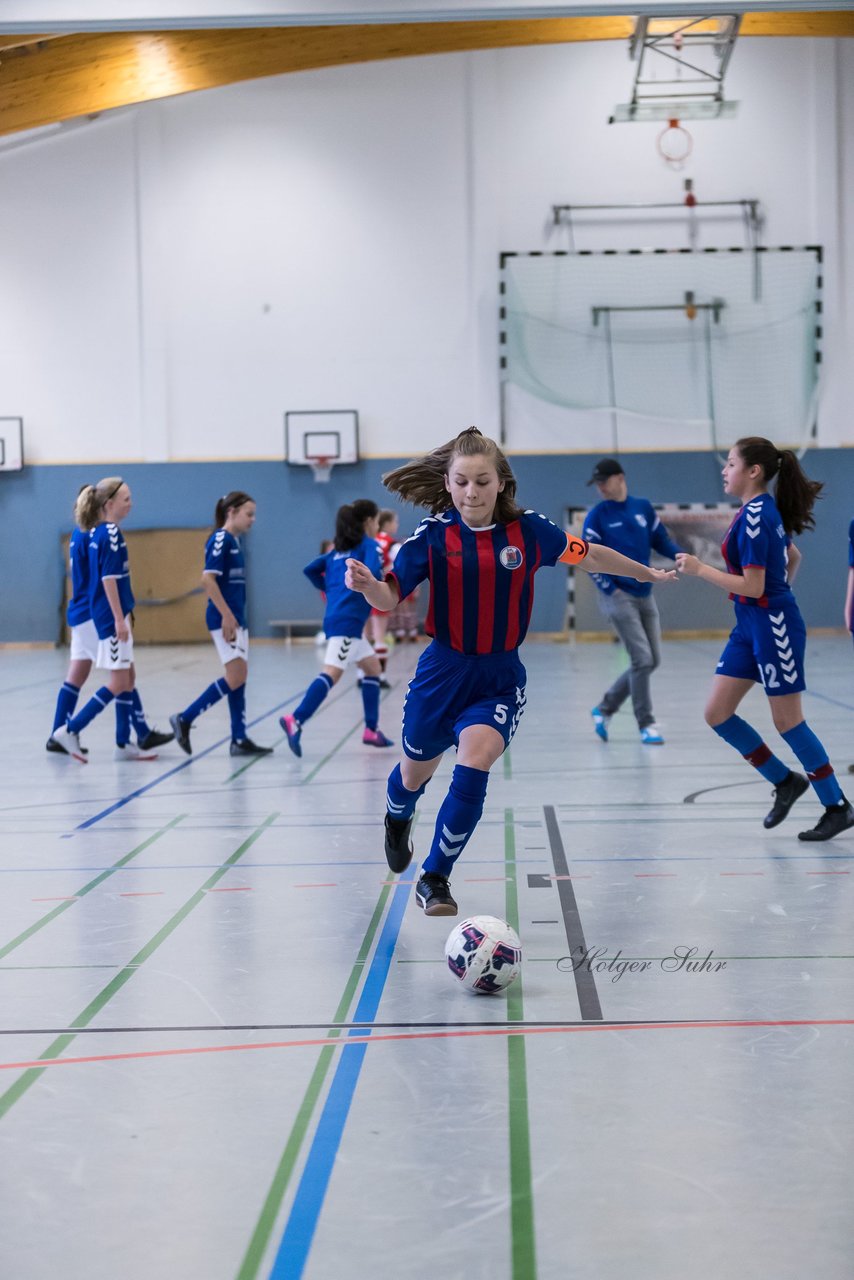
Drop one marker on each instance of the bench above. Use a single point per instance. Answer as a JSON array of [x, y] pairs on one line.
[[309, 625]]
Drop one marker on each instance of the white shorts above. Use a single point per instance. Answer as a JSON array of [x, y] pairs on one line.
[[342, 650], [84, 642], [115, 654], [237, 648]]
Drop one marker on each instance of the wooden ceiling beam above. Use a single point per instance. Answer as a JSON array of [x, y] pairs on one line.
[[77, 75]]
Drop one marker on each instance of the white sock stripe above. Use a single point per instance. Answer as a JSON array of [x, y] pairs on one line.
[[453, 836]]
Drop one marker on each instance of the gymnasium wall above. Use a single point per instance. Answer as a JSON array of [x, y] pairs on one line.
[[294, 514], [177, 275]]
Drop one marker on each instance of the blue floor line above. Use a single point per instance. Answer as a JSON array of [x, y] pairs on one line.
[[301, 1225], [185, 764]]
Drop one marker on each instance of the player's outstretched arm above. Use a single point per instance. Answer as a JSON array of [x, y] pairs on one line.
[[606, 560], [751, 583], [382, 595]]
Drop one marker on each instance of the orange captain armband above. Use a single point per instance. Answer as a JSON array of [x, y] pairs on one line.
[[575, 551]]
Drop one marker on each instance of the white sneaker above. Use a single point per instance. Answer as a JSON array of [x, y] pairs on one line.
[[130, 751], [652, 736], [69, 743]]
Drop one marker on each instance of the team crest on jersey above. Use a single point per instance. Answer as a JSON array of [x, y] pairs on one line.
[[511, 557]]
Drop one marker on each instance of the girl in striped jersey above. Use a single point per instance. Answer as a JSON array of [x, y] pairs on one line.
[[479, 551], [98, 615], [767, 644]]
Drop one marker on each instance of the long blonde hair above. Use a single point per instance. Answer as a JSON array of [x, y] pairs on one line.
[[91, 501], [422, 481]]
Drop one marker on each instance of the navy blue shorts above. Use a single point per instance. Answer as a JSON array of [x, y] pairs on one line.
[[451, 691], [767, 645]]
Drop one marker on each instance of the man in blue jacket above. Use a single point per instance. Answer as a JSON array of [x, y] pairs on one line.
[[629, 525]]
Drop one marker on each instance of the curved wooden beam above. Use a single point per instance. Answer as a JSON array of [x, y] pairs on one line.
[[47, 81]]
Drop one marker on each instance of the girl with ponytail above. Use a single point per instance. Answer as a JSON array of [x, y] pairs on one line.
[[768, 642], [99, 617], [479, 550], [224, 584], [356, 526]]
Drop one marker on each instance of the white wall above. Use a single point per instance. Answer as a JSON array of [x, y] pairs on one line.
[[176, 276]]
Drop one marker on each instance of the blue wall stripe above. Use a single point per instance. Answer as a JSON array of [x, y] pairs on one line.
[[278, 547], [293, 1250]]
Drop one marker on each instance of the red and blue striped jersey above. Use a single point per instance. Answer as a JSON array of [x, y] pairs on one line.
[[481, 580]]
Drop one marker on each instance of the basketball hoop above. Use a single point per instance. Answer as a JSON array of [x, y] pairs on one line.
[[674, 144], [321, 467]]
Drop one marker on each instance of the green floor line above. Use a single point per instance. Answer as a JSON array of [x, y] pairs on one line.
[[522, 1241], [508, 766], [278, 1187], [87, 888], [58, 1046]]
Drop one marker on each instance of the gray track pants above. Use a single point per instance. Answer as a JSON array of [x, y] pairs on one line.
[[635, 620]]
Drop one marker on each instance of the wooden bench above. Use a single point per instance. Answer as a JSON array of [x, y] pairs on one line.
[[311, 626]]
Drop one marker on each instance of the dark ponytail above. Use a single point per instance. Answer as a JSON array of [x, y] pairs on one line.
[[234, 500], [350, 523], [795, 493]]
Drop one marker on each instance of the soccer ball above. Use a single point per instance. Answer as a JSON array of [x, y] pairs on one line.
[[484, 954]]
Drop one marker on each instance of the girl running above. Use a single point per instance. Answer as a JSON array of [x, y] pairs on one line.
[[479, 551], [767, 643], [344, 622], [101, 629], [224, 582]]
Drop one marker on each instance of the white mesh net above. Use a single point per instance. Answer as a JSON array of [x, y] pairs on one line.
[[746, 364]]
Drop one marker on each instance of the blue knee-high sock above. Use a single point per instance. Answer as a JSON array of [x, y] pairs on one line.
[[237, 711], [96, 704], [813, 757], [457, 819], [137, 715], [209, 698], [65, 704], [739, 734], [371, 700], [313, 696], [124, 712], [400, 801]]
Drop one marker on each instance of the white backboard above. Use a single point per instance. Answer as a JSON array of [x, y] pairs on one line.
[[11, 444], [321, 433]]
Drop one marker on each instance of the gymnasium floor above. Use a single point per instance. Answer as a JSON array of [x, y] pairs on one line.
[[231, 1047]]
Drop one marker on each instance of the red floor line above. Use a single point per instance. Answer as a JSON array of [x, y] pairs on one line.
[[38, 1063], [827, 873], [72, 898], [656, 875], [153, 893], [239, 888], [743, 873]]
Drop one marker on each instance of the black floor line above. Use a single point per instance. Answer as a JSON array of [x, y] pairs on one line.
[[585, 983]]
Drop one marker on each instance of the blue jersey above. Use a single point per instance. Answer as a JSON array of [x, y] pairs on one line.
[[634, 529], [108, 558], [481, 580], [346, 610], [224, 558], [756, 539], [79, 609], [851, 545]]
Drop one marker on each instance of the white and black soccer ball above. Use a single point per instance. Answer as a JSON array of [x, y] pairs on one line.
[[484, 954]]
